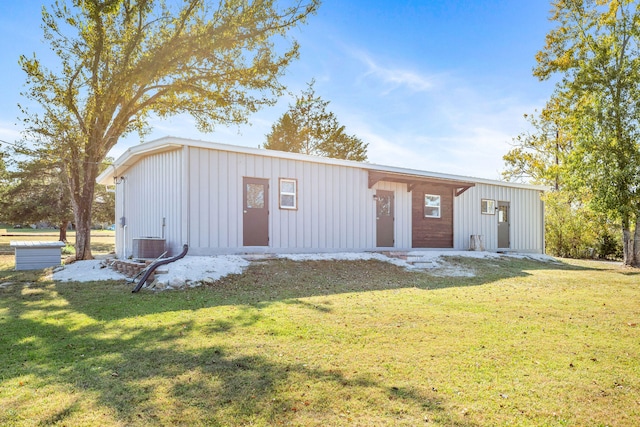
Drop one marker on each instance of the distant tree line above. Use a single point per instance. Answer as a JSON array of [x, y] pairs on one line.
[[33, 190]]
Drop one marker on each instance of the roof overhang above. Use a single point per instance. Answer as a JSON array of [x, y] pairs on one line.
[[414, 180], [131, 156], [411, 177]]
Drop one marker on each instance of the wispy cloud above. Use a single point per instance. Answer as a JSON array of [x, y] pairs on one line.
[[457, 127], [393, 77]]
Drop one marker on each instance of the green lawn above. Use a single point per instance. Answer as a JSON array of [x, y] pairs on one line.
[[328, 344], [102, 241]]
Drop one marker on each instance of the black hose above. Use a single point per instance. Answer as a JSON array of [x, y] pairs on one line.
[[152, 267]]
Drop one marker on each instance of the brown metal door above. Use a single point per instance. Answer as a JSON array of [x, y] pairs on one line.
[[384, 218], [504, 218], [255, 218]]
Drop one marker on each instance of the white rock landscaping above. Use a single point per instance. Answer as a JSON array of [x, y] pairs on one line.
[[194, 271]]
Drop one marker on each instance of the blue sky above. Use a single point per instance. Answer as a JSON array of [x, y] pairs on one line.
[[432, 84]]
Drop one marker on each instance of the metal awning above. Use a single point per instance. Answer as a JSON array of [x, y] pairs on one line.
[[413, 180]]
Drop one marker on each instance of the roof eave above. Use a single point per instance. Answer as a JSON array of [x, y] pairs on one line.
[[131, 156]]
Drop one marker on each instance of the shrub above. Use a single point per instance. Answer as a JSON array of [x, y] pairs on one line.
[[574, 230]]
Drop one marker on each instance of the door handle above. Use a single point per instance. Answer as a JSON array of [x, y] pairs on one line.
[[245, 211]]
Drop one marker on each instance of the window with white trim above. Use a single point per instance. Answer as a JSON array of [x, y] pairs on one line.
[[488, 207], [288, 193], [431, 206]]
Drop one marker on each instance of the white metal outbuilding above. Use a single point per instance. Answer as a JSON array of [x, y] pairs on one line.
[[220, 198]]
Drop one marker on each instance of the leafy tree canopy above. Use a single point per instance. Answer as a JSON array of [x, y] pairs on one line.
[[573, 228], [540, 155], [595, 48], [120, 61], [308, 128]]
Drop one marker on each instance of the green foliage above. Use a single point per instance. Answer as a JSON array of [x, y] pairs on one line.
[[35, 191], [104, 203], [540, 155], [3, 167], [574, 230], [4, 182], [308, 128], [573, 227], [104, 206], [596, 50], [119, 62]]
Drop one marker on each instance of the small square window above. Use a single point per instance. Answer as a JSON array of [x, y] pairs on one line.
[[431, 206], [288, 193], [488, 207]]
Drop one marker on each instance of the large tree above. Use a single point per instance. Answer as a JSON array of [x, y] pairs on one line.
[[573, 228], [119, 61], [308, 128], [595, 49]]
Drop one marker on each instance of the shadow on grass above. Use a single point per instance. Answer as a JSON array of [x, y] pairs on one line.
[[283, 280], [148, 373]]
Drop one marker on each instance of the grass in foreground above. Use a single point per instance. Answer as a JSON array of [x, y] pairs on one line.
[[328, 343]]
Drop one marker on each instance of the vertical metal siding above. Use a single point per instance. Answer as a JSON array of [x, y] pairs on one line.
[[307, 204], [120, 212], [336, 209], [150, 192], [526, 221]]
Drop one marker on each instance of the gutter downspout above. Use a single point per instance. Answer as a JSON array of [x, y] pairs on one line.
[[544, 236]]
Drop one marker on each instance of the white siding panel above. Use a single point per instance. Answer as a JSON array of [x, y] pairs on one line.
[[120, 212], [302, 228], [307, 204], [221, 187], [149, 193], [526, 234], [336, 210], [313, 203]]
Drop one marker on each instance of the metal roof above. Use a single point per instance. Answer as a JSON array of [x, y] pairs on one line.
[[169, 143]]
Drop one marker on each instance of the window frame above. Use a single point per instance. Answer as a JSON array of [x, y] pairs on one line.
[[439, 197], [491, 207], [282, 193]]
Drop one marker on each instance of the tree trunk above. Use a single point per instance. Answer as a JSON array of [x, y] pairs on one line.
[[628, 246], [63, 231], [636, 244], [83, 231], [82, 201]]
